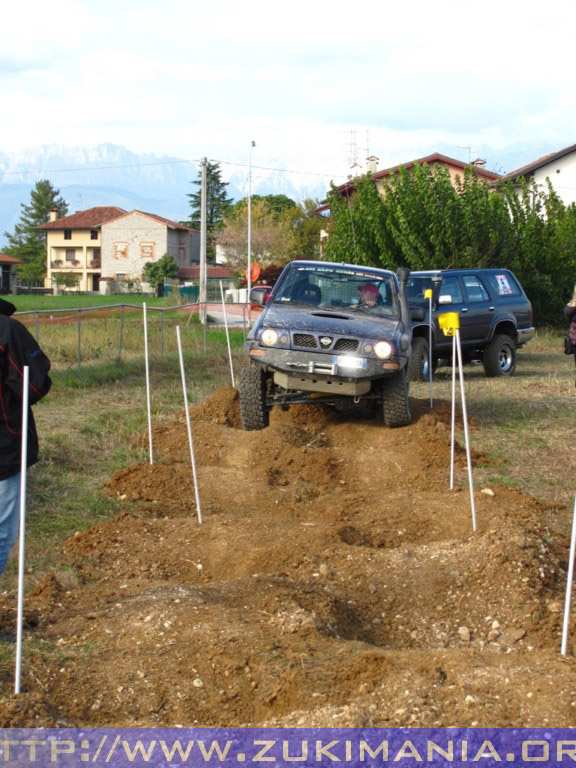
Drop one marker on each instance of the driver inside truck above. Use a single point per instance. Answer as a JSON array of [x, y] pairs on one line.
[[370, 296]]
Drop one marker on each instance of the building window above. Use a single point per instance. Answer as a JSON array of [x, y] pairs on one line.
[[70, 254], [146, 250], [120, 277], [93, 234], [120, 250], [67, 234]]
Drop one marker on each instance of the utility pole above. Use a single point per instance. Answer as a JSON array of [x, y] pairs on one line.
[[202, 290], [249, 260]]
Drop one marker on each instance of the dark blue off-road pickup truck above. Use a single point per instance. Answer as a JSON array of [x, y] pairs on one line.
[[495, 318], [332, 333]]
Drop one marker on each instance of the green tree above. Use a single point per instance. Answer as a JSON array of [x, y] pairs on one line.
[[276, 205], [282, 230], [218, 205], [270, 236], [425, 221], [155, 272], [28, 243]]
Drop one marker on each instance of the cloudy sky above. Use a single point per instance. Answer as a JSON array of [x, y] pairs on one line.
[[313, 82]]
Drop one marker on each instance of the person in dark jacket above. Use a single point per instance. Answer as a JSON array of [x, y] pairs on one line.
[[18, 348], [570, 314]]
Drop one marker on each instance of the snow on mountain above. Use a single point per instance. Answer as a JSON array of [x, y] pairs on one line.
[[109, 174]]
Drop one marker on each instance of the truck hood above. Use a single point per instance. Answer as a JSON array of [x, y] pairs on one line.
[[318, 320]]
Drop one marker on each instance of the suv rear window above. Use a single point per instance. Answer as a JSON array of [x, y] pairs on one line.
[[502, 284]]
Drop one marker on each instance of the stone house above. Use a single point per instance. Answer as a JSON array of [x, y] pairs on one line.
[[132, 239]]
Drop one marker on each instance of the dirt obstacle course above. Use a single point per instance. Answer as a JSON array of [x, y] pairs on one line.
[[335, 581]]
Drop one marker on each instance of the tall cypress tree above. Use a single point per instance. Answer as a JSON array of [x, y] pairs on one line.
[[28, 243], [217, 206]]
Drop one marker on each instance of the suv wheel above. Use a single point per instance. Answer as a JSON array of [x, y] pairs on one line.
[[499, 356], [419, 363], [395, 407], [252, 390]]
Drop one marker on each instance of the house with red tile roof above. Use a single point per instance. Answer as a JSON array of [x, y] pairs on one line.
[[109, 243], [456, 169], [559, 167], [74, 245], [7, 264], [133, 238]]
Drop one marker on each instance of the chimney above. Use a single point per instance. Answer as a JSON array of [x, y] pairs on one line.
[[478, 163], [372, 163], [53, 214]]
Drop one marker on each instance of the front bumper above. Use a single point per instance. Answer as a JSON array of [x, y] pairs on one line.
[[348, 375]]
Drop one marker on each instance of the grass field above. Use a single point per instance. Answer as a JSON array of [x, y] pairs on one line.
[[29, 303], [94, 422]]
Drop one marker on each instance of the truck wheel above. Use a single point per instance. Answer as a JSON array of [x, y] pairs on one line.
[[252, 390], [499, 358], [419, 363], [395, 407]]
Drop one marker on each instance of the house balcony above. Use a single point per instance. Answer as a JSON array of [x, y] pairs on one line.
[[63, 264], [95, 263]]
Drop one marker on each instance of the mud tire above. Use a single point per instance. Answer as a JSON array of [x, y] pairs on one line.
[[252, 390], [499, 357], [395, 405], [419, 363]]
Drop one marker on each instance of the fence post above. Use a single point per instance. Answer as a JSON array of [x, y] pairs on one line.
[[79, 339], [37, 328], [121, 332], [162, 332]]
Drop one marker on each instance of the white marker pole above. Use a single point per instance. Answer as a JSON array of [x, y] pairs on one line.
[[227, 334], [190, 443], [148, 385], [453, 430], [21, 539], [569, 584], [430, 351], [466, 435]]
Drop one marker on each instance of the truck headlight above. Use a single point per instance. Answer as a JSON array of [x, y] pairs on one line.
[[383, 349], [269, 337]]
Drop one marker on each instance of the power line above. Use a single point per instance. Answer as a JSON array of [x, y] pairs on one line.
[[88, 168], [100, 167]]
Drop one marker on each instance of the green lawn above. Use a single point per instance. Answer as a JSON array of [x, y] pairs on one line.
[[29, 303]]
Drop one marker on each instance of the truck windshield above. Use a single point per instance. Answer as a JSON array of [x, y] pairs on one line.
[[330, 288]]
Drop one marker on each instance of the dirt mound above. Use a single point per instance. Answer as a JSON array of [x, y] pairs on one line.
[[335, 580]]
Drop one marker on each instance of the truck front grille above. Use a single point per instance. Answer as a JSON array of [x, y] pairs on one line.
[[346, 345], [305, 340]]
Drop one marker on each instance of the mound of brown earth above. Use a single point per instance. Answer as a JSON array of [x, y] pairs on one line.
[[335, 581]]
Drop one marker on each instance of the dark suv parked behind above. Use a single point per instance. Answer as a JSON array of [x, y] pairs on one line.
[[495, 318]]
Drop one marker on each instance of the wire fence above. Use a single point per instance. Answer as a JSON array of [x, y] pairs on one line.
[[115, 332]]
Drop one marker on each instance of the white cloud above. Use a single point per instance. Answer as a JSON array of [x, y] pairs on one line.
[[190, 78]]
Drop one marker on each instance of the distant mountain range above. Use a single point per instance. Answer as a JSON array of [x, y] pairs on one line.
[[113, 175]]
